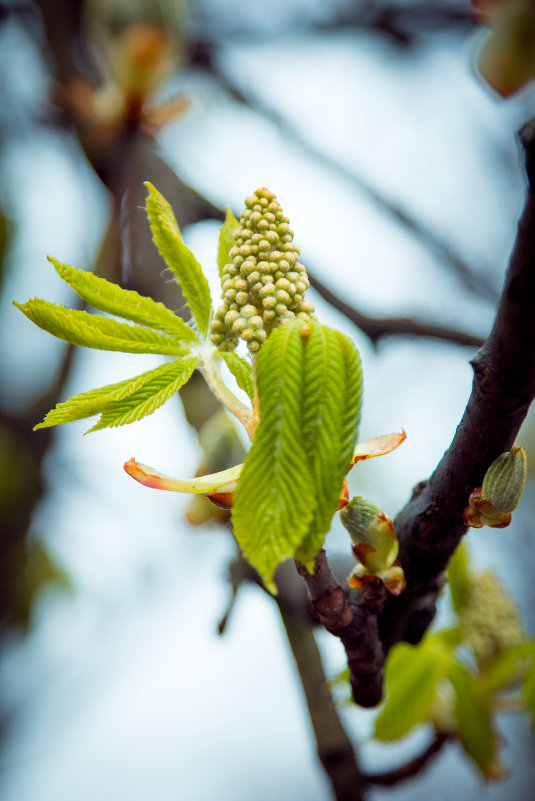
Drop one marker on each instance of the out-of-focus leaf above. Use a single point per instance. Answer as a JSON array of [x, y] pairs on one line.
[[179, 258], [412, 675], [528, 691], [451, 638], [38, 572], [474, 719], [507, 58], [459, 578], [507, 668]]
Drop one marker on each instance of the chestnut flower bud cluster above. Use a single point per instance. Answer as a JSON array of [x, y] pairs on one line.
[[490, 619], [265, 283]]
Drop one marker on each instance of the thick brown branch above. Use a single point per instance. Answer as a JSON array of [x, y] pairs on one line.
[[354, 624], [409, 769], [377, 328], [431, 525]]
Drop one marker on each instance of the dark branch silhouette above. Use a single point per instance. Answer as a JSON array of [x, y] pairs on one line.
[[409, 769], [476, 282], [377, 328]]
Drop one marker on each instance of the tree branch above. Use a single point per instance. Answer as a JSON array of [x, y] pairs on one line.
[[202, 56], [431, 525], [355, 625], [409, 769], [335, 750], [377, 328]]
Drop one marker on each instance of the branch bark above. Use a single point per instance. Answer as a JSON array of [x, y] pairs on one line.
[[431, 525], [355, 625]]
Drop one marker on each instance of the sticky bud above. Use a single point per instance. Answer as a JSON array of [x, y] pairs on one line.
[[375, 545], [492, 503]]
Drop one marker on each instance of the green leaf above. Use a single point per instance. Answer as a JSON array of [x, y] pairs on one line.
[[180, 260], [474, 719], [450, 638], [412, 675], [241, 370], [459, 578], [95, 401], [226, 241], [506, 668], [275, 498], [330, 417], [94, 331], [528, 690], [126, 303], [149, 397]]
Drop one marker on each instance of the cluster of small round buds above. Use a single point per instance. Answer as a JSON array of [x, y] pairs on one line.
[[491, 620], [265, 283]]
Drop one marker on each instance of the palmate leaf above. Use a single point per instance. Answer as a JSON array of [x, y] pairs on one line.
[[226, 241], [149, 397], [411, 678], [87, 404], [330, 417], [126, 303], [275, 498], [94, 331], [241, 370], [474, 719], [180, 260]]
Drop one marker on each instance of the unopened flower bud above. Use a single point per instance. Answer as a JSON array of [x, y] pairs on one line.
[[492, 503], [505, 480], [375, 543], [263, 255]]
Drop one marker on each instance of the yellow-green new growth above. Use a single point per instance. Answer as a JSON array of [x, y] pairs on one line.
[[265, 283], [490, 619]]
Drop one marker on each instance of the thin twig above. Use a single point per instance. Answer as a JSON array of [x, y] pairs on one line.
[[409, 769], [441, 249], [377, 328]]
